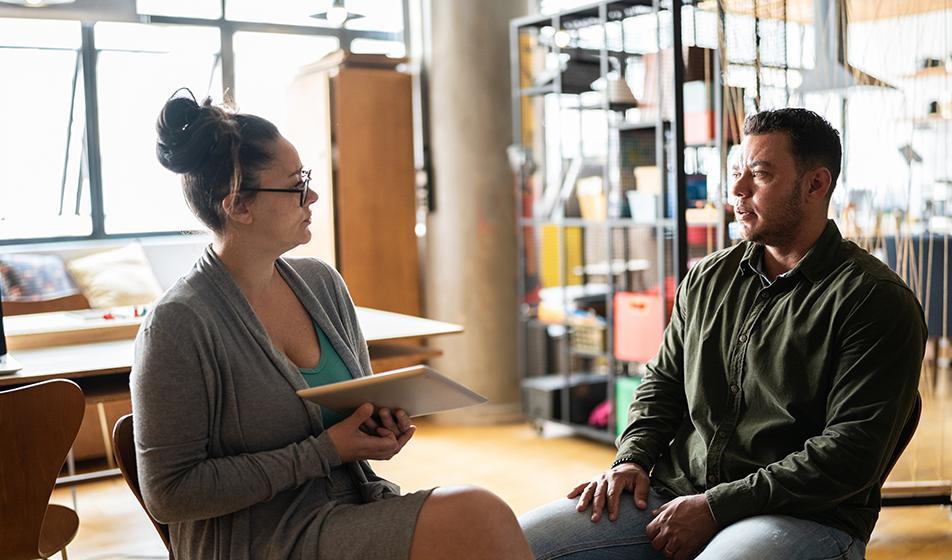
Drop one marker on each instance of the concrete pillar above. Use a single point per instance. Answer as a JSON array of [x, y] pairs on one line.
[[470, 256]]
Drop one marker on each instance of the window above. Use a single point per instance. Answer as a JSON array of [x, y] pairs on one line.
[[79, 162], [393, 49], [288, 12], [379, 15], [265, 65], [139, 68], [44, 191], [207, 9]]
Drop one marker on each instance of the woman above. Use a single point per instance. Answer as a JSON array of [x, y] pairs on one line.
[[229, 456]]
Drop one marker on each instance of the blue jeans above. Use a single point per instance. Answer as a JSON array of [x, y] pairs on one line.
[[556, 530]]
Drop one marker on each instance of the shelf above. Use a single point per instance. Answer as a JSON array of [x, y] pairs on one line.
[[556, 381], [618, 267], [638, 126], [531, 21], [584, 430], [582, 222], [932, 72], [571, 263], [585, 354], [930, 120], [537, 90], [590, 105]]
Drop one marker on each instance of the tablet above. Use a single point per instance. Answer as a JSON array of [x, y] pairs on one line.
[[418, 390]]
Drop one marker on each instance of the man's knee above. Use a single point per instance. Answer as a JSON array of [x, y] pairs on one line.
[[780, 537], [558, 530]]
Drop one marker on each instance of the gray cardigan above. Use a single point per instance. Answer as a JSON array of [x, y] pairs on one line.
[[228, 455]]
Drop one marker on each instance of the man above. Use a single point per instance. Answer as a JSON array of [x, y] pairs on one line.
[[764, 426]]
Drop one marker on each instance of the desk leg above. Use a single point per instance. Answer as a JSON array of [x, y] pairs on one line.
[[106, 440]]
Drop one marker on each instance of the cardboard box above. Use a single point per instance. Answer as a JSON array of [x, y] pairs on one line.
[[648, 179]]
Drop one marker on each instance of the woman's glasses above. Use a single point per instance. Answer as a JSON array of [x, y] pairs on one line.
[[300, 188]]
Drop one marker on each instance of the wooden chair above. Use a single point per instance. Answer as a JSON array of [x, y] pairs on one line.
[[123, 442], [38, 424], [93, 439]]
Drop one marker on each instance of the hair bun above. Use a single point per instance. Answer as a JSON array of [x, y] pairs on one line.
[[188, 133]]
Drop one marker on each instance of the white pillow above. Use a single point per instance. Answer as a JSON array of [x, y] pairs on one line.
[[118, 277]]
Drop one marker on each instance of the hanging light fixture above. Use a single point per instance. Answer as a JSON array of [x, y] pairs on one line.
[[337, 14]]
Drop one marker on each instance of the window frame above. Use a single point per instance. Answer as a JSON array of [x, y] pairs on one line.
[[227, 29]]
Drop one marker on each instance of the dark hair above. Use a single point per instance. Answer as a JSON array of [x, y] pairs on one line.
[[217, 152], [813, 140]]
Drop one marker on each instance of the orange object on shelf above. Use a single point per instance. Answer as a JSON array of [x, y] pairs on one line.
[[640, 323], [698, 235], [698, 127]]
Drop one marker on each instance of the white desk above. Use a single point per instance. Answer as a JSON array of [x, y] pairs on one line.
[[97, 359]]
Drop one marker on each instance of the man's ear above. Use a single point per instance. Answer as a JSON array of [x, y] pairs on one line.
[[820, 181], [236, 208]]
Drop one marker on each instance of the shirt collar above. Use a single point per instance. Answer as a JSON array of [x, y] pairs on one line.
[[814, 265]]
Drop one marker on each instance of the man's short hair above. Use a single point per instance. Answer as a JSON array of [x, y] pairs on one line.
[[813, 140]]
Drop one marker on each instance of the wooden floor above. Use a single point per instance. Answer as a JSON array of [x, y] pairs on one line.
[[523, 468]]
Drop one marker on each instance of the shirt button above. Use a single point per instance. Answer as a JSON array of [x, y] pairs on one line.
[[711, 479], [764, 295], [742, 338], [734, 388]]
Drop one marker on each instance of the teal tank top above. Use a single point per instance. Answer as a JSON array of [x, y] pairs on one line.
[[329, 369]]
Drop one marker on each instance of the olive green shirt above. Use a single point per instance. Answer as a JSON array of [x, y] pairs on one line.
[[786, 399]]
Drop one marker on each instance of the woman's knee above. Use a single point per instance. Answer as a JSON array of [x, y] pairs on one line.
[[470, 505], [467, 522]]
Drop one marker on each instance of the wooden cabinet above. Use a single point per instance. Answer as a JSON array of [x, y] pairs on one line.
[[353, 124]]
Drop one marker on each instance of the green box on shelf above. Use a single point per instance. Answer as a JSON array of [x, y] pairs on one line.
[[625, 388]]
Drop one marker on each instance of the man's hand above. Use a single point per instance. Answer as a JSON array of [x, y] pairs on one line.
[[681, 527], [607, 488]]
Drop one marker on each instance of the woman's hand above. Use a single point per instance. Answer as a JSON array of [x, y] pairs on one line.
[[353, 444], [396, 423]]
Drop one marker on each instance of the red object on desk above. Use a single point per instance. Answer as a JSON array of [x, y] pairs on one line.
[[640, 322]]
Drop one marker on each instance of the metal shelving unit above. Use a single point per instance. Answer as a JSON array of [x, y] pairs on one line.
[[554, 146]]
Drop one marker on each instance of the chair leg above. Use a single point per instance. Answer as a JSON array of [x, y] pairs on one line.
[[106, 439], [63, 554], [71, 469]]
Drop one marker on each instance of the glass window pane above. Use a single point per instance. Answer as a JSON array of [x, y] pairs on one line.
[[289, 12], [208, 9], [157, 38], [39, 33], [265, 65], [139, 68], [393, 49], [44, 191], [378, 15]]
